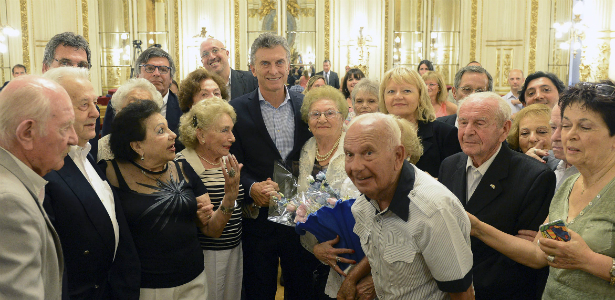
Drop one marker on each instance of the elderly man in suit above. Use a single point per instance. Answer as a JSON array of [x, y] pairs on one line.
[[269, 129], [215, 59], [506, 189], [101, 259], [157, 66], [331, 77], [36, 130]]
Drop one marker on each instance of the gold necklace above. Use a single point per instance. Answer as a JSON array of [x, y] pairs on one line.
[[595, 182], [203, 158], [320, 157]]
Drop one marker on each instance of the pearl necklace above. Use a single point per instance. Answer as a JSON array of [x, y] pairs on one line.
[[203, 158], [320, 157]]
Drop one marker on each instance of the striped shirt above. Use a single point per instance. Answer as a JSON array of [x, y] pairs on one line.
[[280, 123], [213, 179], [418, 247]]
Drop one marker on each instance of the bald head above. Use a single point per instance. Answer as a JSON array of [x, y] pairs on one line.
[[41, 130], [515, 80], [214, 57]]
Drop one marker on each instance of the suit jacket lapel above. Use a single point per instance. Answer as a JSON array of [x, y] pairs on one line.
[[92, 205], [298, 144], [490, 185], [254, 108], [425, 131], [459, 186], [236, 84], [173, 112]]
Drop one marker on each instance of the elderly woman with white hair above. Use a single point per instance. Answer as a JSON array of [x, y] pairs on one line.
[[365, 97], [132, 90]]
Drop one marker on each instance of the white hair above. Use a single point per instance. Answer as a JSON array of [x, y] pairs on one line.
[[392, 129], [25, 97], [119, 97], [501, 115], [62, 73]]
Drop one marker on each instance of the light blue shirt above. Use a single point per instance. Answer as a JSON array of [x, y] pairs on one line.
[[280, 123]]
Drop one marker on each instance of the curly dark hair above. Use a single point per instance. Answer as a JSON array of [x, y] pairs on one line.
[[129, 126], [559, 85], [192, 85], [596, 97], [356, 74]]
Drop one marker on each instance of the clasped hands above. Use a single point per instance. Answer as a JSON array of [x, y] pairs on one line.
[[263, 191]]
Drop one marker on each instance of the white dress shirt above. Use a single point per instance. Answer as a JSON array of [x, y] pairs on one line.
[[163, 109], [476, 174], [101, 187]]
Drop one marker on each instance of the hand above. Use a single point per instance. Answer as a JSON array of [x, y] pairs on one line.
[[231, 184], [366, 289], [537, 152], [475, 223], [204, 211], [573, 254], [529, 235], [261, 192], [326, 253]]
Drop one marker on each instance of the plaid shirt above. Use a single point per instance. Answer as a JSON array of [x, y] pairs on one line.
[[280, 123]]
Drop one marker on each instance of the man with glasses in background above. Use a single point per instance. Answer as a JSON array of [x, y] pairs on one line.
[[215, 59], [157, 66], [468, 80]]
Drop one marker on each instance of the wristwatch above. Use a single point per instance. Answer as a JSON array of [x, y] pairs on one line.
[[613, 273], [225, 210]]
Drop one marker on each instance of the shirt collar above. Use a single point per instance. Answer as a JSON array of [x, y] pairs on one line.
[[400, 204], [38, 182], [76, 151], [485, 166], [286, 98], [510, 95], [229, 78], [166, 97]]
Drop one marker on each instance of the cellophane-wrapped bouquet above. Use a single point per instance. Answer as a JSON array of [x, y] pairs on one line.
[[291, 210]]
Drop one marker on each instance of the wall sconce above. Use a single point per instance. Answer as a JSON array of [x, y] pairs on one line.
[[575, 29], [397, 49], [9, 31]]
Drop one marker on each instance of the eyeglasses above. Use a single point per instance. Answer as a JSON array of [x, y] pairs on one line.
[[601, 88], [214, 50], [431, 85], [151, 68], [329, 114], [65, 62], [468, 90]]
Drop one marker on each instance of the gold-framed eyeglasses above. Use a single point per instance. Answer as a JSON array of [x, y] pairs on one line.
[[329, 114], [214, 51]]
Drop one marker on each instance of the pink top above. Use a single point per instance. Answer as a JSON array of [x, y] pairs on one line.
[[442, 111]]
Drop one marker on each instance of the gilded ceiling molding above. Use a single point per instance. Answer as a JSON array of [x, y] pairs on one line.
[[86, 25], [473, 30], [23, 9], [237, 33], [533, 32], [386, 35], [176, 24], [327, 27]]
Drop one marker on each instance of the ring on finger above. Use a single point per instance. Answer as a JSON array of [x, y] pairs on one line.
[[337, 259], [231, 172], [534, 151], [550, 258]]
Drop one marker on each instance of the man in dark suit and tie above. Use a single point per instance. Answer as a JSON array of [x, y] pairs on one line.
[[269, 129], [330, 76], [468, 80], [506, 189], [215, 59], [100, 256]]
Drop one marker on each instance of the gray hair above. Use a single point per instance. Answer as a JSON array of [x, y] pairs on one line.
[[119, 97], [392, 129], [365, 85], [24, 98], [270, 41], [60, 74], [66, 39], [501, 115], [473, 69], [326, 61], [150, 53]]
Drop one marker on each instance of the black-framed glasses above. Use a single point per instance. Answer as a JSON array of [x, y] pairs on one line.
[[214, 50], [329, 114], [151, 68], [601, 88], [65, 62]]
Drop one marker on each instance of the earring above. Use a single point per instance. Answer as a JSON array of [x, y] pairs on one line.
[[142, 157], [310, 130]]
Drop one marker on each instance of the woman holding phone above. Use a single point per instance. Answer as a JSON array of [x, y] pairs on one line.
[[584, 267]]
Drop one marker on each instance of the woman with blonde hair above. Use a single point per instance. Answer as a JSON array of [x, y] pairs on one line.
[[438, 94], [404, 94], [314, 82], [530, 130], [305, 77]]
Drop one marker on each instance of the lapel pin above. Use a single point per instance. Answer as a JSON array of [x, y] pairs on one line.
[[492, 186]]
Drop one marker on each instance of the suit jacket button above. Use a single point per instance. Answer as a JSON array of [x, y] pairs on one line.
[[86, 252], [96, 286]]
